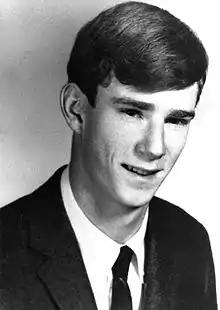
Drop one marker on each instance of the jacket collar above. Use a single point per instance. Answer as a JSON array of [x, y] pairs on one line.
[[62, 270]]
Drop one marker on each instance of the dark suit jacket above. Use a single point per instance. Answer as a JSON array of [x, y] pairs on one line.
[[41, 266]]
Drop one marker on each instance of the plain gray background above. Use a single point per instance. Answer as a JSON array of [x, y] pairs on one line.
[[36, 37]]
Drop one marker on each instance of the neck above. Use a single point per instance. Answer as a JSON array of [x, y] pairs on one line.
[[120, 222]]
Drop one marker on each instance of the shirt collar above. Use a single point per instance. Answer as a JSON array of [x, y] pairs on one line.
[[95, 244]]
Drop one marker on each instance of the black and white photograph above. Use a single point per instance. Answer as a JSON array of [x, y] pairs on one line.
[[109, 145]]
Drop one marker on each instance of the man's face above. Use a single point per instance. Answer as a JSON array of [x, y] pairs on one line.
[[132, 139]]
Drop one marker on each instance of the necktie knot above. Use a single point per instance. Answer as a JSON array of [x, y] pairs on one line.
[[121, 265]]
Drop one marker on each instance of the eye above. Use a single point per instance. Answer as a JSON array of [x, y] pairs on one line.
[[132, 112], [178, 121]]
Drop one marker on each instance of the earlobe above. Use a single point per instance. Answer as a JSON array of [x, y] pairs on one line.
[[72, 102]]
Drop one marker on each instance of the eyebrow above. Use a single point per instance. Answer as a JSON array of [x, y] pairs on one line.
[[134, 103], [146, 106], [181, 114]]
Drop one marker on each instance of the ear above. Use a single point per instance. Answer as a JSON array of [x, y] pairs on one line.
[[72, 102]]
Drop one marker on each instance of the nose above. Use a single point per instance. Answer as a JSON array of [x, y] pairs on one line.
[[151, 146]]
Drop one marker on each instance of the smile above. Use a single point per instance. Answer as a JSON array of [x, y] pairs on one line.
[[140, 171]]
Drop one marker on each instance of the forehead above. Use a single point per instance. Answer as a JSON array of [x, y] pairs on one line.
[[184, 99]]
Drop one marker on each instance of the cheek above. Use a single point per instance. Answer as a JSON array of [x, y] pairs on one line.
[[114, 135], [175, 141], [99, 140]]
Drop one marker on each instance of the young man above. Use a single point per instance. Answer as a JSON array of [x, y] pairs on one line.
[[95, 236]]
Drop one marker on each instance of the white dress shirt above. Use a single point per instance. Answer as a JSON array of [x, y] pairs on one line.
[[99, 251]]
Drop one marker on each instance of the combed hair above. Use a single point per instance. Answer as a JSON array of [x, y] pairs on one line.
[[142, 45]]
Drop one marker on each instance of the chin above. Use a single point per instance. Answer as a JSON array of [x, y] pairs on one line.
[[133, 194], [136, 200]]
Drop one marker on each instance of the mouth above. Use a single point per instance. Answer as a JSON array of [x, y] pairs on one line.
[[140, 171]]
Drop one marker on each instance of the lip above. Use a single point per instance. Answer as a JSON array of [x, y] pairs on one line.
[[139, 171]]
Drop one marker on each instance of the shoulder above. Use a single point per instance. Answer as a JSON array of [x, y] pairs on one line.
[[173, 214], [182, 245], [16, 217], [177, 223], [49, 191]]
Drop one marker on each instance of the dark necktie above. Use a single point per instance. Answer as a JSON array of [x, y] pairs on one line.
[[121, 296]]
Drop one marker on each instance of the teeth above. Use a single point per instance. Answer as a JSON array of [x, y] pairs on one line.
[[137, 171]]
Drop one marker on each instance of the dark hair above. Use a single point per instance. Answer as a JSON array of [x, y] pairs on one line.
[[142, 45]]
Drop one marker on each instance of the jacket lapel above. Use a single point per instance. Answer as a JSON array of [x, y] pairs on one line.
[[173, 270], [66, 280], [62, 272], [158, 260]]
